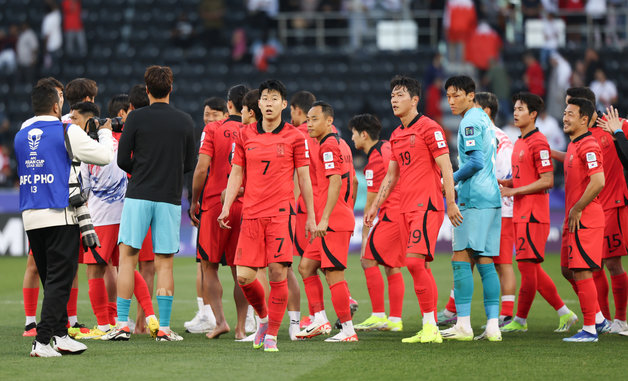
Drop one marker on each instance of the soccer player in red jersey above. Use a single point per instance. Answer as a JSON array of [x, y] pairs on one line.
[[214, 110], [419, 156], [583, 233], [267, 153], [532, 177], [334, 212], [383, 244], [216, 245]]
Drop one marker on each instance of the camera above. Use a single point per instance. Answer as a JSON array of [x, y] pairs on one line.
[[116, 125], [88, 234]]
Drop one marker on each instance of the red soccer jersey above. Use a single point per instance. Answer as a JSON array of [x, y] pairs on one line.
[[414, 148], [217, 142], [615, 193], [269, 160], [583, 159], [334, 158], [375, 170], [530, 158]]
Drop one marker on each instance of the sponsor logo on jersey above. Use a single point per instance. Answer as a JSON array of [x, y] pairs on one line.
[[368, 174], [544, 154], [591, 156], [468, 131], [438, 135], [328, 156]]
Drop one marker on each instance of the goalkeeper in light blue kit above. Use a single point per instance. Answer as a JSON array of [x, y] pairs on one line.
[[477, 239]]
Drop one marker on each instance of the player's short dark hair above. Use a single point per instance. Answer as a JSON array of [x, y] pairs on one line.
[[586, 107], [86, 108], [138, 97], [158, 80], [368, 123], [581, 92], [532, 101], [251, 100], [461, 82], [488, 100], [412, 86], [302, 100], [117, 103], [52, 81], [325, 107], [43, 98], [235, 95], [274, 85], [77, 89], [217, 103]]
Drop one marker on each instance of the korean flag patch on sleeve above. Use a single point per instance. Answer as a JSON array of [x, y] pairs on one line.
[[328, 156], [470, 143]]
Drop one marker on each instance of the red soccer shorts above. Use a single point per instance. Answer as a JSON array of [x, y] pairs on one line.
[[506, 242], [615, 232], [531, 240], [420, 229], [264, 240], [384, 243], [108, 251], [582, 249], [215, 244], [146, 253], [331, 251]]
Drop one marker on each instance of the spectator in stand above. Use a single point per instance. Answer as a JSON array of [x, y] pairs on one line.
[[8, 41], [497, 80], [575, 19], [548, 125], [6, 135], [261, 17], [183, 31], [459, 21], [531, 9], [596, 10], [578, 77], [433, 99], [551, 37], [435, 70], [52, 37], [557, 85], [604, 89], [592, 64], [75, 41], [212, 13], [534, 78], [27, 50], [6, 174], [482, 45]]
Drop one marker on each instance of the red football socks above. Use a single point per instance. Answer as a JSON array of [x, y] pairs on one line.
[[99, 298], [340, 300], [142, 294], [547, 288], [396, 290], [451, 303], [507, 307], [434, 291], [113, 312], [601, 285], [254, 293], [620, 284], [72, 302], [30, 301], [314, 292], [375, 285], [278, 301], [587, 294], [527, 291], [422, 284]]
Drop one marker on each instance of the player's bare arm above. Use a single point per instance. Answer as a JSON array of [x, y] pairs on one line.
[[233, 188], [354, 196], [558, 155], [447, 173], [198, 181], [305, 184], [333, 192], [596, 183], [545, 181], [370, 199], [389, 182]]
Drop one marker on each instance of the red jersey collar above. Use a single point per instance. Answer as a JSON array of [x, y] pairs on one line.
[[260, 129], [377, 146], [588, 133], [416, 119], [529, 133], [335, 135], [234, 118]]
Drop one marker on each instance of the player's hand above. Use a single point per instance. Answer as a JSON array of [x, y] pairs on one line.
[[574, 219], [369, 217], [507, 192], [106, 126], [454, 214], [321, 228], [505, 183], [612, 122], [222, 219], [194, 212], [310, 229]]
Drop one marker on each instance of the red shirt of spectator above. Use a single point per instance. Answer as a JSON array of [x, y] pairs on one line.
[[72, 15], [534, 77]]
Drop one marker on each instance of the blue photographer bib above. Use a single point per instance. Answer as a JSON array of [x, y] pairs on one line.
[[43, 166]]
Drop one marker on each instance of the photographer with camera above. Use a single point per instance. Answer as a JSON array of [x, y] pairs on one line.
[[45, 149]]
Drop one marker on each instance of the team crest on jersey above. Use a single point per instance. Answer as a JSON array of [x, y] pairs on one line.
[[438, 135], [327, 157], [591, 156], [470, 143], [604, 141], [521, 153], [544, 154], [281, 150], [368, 174], [468, 131], [412, 140]]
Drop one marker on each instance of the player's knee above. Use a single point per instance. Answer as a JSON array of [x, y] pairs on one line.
[[567, 273], [366, 263], [614, 265], [242, 280]]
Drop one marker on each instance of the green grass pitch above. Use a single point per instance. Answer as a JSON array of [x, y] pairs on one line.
[[537, 354]]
